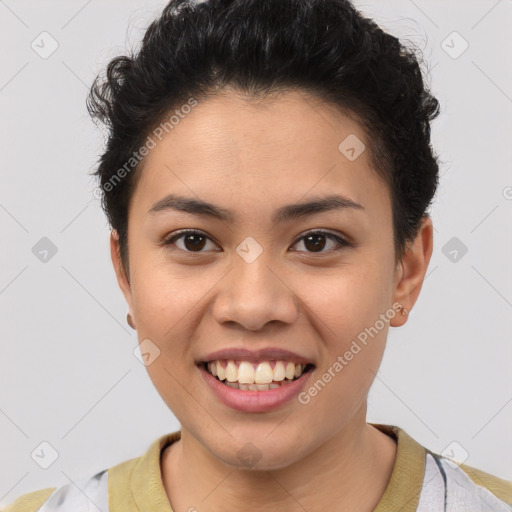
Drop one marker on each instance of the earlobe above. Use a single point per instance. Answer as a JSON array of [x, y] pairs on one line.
[[414, 266], [129, 321]]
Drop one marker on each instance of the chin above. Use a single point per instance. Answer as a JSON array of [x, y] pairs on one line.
[[259, 452]]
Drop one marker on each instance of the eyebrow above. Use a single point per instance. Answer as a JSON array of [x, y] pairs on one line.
[[283, 214]]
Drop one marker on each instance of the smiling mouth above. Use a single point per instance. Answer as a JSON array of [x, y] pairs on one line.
[[255, 376]]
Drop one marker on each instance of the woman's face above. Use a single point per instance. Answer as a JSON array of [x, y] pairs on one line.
[[251, 286]]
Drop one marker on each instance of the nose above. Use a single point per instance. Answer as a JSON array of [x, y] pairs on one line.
[[255, 294]]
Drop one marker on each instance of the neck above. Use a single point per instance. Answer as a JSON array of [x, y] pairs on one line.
[[348, 472]]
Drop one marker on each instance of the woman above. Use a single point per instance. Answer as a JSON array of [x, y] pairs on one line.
[[267, 179]]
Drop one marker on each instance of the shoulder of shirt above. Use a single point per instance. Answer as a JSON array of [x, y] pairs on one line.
[[30, 502], [99, 485], [117, 478], [74, 495], [436, 481], [56, 498], [464, 488], [498, 486], [71, 496], [61, 498]]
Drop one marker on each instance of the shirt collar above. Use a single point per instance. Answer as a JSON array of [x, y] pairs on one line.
[[136, 485]]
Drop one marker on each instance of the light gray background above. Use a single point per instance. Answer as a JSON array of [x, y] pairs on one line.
[[68, 373]]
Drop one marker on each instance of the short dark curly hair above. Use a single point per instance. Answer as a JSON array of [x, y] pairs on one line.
[[326, 48]]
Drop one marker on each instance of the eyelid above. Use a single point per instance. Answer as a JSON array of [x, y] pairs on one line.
[[333, 234], [341, 240], [175, 235]]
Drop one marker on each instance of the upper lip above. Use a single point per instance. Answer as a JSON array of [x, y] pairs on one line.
[[264, 354]]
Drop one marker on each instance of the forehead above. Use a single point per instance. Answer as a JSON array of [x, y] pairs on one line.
[[234, 150]]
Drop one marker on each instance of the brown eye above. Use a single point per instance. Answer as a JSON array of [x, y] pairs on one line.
[[194, 242], [316, 241], [191, 241]]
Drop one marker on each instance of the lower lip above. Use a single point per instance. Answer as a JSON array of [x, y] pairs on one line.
[[255, 401]]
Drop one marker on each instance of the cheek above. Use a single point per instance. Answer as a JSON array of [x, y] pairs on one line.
[[354, 349], [167, 376], [351, 309], [349, 300], [333, 397], [163, 303]]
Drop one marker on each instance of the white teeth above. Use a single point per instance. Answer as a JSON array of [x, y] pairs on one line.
[[263, 374], [279, 372], [246, 373], [255, 387], [255, 376], [231, 372], [221, 373], [290, 371]]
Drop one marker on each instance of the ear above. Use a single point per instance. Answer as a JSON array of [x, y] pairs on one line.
[[411, 271], [122, 278]]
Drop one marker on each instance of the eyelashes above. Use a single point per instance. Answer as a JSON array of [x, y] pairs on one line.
[[197, 237], [183, 233], [342, 243]]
